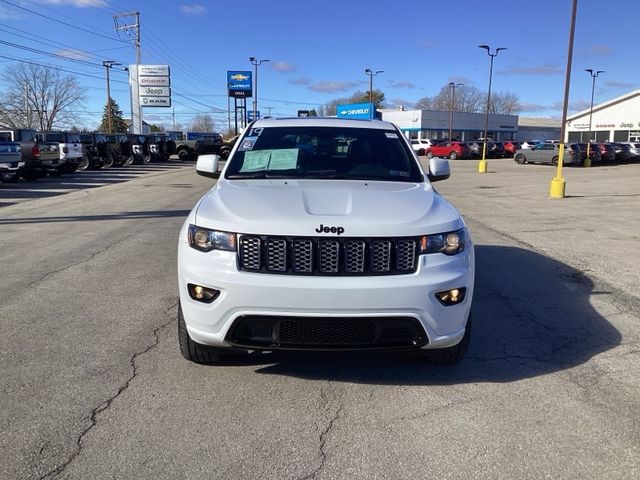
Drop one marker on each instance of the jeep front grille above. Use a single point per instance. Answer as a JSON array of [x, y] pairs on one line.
[[327, 256]]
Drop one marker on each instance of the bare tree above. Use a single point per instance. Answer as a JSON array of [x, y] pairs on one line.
[[39, 97], [424, 103], [506, 103], [202, 123], [357, 97]]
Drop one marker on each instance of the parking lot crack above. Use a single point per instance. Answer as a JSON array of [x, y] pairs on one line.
[[88, 259], [93, 416], [323, 433]]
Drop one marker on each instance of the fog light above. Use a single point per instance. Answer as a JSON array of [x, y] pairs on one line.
[[202, 294], [451, 297]]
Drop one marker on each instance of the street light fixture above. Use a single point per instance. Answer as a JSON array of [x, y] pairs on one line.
[[482, 166], [256, 63], [587, 161], [107, 64], [452, 104], [371, 73]]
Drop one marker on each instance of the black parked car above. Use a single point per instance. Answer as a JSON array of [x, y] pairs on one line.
[[494, 149], [594, 152], [118, 149], [139, 149], [94, 147]]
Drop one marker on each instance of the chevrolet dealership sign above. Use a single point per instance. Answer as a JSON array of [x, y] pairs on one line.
[[363, 111]]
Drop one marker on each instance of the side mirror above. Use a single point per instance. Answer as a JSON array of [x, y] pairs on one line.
[[207, 166], [438, 169]]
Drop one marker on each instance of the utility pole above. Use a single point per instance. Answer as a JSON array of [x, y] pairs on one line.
[[27, 116], [371, 73], [107, 65], [256, 63], [129, 23], [269, 108], [173, 115]]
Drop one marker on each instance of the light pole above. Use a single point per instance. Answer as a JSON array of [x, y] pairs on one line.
[[256, 63], [452, 104], [587, 161], [107, 65], [482, 166], [557, 187], [371, 73]]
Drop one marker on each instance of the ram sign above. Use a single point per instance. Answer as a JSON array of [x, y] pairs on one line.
[[356, 110], [239, 84]]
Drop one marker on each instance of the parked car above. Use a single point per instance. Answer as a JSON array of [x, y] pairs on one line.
[[607, 152], [510, 147], [622, 151], [118, 149], [634, 148], [529, 144], [451, 150], [420, 145], [594, 152], [94, 147], [494, 149], [160, 147], [69, 146], [40, 157], [186, 149], [327, 223], [11, 162], [138, 150], [548, 153]]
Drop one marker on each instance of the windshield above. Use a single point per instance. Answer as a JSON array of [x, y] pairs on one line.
[[324, 153]]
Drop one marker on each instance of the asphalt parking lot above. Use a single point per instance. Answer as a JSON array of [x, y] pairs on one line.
[[93, 384]]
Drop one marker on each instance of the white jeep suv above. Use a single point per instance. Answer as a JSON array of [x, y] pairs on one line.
[[324, 234]]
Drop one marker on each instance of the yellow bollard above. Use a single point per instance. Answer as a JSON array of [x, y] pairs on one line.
[[482, 164], [587, 162], [558, 184]]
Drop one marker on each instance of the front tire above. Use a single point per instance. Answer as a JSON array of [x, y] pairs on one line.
[[520, 159], [453, 156], [429, 155], [192, 351], [184, 154]]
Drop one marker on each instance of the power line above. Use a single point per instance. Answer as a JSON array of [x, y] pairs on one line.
[[57, 68], [54, 43], [61, 22]]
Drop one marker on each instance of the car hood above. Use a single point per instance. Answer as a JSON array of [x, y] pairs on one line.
[[302, 207]]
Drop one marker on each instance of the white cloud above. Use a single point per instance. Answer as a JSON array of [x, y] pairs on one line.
[[75, 3], [72, 53], [332, 86], [281, 66], [301, 81], [193, 9]]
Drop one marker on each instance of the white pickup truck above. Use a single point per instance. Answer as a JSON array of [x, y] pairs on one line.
[[10, 161], [70, 148]]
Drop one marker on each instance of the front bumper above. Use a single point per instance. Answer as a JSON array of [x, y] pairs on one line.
[[275, 298]]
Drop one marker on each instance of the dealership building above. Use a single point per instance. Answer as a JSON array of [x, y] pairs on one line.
[[617, 120], [465, 126]]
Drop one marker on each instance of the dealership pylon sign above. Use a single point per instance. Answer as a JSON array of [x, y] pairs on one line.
[[150, 87]]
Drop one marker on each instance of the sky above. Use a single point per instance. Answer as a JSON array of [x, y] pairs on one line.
[[318, 50]]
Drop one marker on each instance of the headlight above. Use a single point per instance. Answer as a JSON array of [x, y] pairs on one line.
[[450, 243], [206, 240]]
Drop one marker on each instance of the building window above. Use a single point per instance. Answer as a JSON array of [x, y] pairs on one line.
[[621, 136]]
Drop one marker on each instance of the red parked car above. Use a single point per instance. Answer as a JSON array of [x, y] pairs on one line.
[[451, 150], [510, 147]]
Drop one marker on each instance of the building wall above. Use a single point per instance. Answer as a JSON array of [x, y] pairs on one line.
[[615, 122], [465, 126]]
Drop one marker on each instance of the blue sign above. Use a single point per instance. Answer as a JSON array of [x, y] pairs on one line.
[[250, 115], [239, 83], [356, 110]]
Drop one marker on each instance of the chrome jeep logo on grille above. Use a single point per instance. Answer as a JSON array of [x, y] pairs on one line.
[[326, 229]]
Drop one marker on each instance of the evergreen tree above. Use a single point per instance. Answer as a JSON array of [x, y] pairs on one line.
[[118, 125]]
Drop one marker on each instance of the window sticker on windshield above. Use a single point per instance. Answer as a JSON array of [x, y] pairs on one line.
[[247, 144], [284, 159], [255, 161], [391, 135], [398, 173], [255, 132]]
